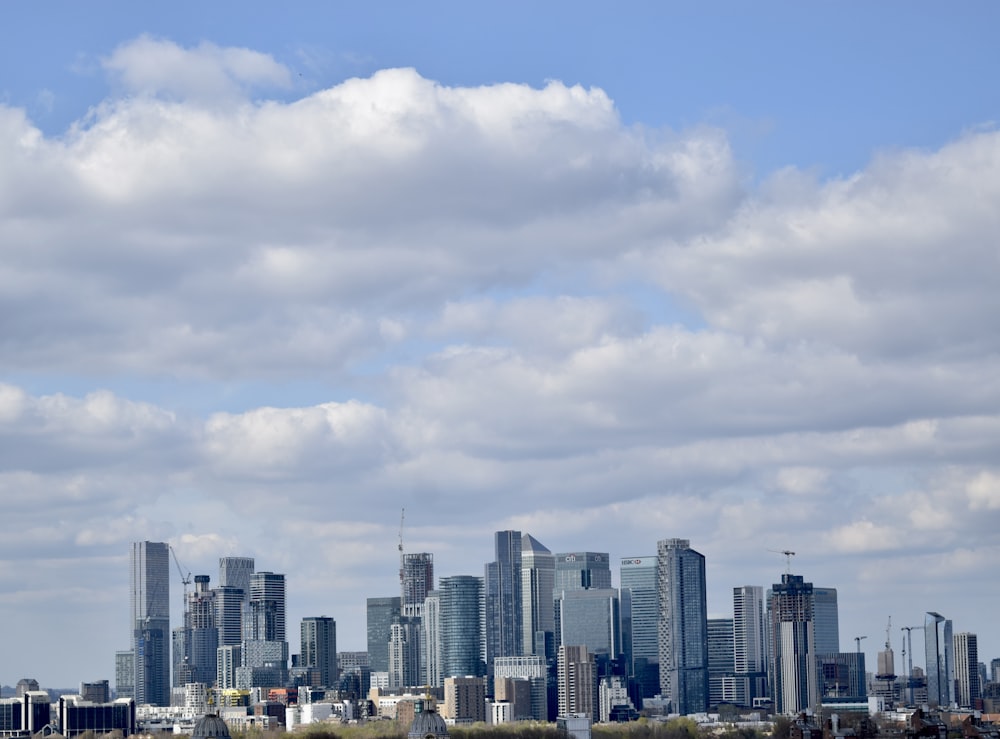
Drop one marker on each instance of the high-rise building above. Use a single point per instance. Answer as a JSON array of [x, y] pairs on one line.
[[125, 673], [842, 675], [235, 572], [464, 700], [195, 643], [582, 571], [721, 661], [531, 668], [967, 684], [538, 567], [826, 620], [749, 657], [150, 622], [502, 598], [318, 648], [430, 640], [640, 606], [589, 618], [229, 614], [938, 650], [416, 581], [792, 672], [98, 691], [683, 626], [461, 599], [404, 652], [381, 613], [264, 650], [577, 681]]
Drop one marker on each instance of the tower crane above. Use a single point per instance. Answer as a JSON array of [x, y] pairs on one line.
[[185, 581], [857, 641], [788, 558]]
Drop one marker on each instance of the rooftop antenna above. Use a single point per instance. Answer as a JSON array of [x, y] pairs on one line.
[[788, 558]]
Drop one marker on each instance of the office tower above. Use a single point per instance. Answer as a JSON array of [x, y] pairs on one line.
[[938, 650], [749, 660], [721, 661], [582, 571], [264, 650], [228, 659], [124, 673], [538, 566], [577, 681], [826, 620], [791, 645], [381, 613], [640, 604], [430, 640], [416, 580], [995, 670], [318, 648], [404, 652], [150, 622], [235, 572], [589, 618], [461, 602], [98, 691], [842, 675], [502, 596], [229, 614], [967, 685], [683, 626]]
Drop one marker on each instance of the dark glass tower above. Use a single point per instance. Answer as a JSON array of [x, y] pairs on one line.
[[683, 626], [504, 618], [461, 599], [150, 606]]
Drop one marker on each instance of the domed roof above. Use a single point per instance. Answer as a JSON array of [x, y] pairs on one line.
[[427, 724], [210, 726]]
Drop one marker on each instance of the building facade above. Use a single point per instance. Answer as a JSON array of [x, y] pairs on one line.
[[381, 613], [792, 672], [538, 567], [318, 648], [749, 656], [967, 683], [504, 619], [683, 626], [940, 660], [149, 571]]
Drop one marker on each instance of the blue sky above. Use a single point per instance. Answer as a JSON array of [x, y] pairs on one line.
[[712, 271]]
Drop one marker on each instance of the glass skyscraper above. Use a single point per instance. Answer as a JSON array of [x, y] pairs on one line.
[[504, 619], [939, 653], [683, 626], [461, 601], [318, 648], [150, 608], [538, 566], [381, 613], [582, 571], [791, 638]]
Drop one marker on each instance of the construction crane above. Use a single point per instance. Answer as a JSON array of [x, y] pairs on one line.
[[857, 641], [908, 656], [788, 558], [185, 581]]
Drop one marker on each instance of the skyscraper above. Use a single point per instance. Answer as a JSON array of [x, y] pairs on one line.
[[381, 613], [966, 650], [264, 652], [417, 580], [200, 637], [430, 640], [938, 650], [235, 572], [590, 618], [683, 626], [577, 681], [750, 662], [538, 566], [721, 658], [826, 620], [582, 570], [792, 645], [461, 600], [318, 648], [641, 609], [150, 608], [504, 619]]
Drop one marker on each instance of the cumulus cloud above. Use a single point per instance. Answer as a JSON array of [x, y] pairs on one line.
[[495, 306]]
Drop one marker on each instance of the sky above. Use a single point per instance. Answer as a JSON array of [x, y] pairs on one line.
[[270, 275]]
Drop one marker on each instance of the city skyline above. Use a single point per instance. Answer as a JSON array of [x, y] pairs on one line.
[[270, 276]]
